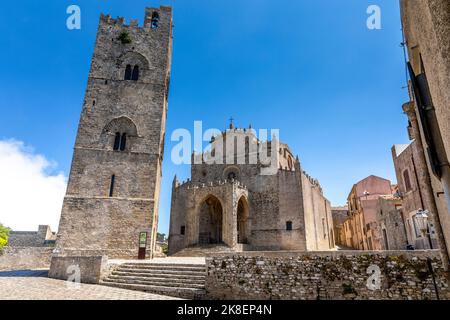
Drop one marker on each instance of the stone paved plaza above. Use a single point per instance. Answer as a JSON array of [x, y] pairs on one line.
[[34, 285]]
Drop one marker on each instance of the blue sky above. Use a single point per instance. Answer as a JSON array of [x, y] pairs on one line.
[[309, 68]]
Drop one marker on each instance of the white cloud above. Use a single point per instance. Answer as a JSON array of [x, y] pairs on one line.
[[29, 195]]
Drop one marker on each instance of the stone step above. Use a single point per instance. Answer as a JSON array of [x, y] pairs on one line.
[[196, 281], [165, 265], [152, 282], [201, 251], [187, 293], [162, 268], [182, 280], [166, 274]]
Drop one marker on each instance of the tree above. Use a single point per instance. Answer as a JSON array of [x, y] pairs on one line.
[[160, 236], [4, 234]]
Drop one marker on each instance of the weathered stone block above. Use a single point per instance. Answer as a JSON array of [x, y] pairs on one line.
[[89, 268]]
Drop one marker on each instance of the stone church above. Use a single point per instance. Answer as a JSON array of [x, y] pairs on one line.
[[239, 205]]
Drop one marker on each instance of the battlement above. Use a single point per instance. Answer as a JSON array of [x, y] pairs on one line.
[[314, 182], [188, 184], [151, 19]]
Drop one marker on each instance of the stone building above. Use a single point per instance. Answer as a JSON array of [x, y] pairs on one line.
[[426, 29], [111, 203], [44, 237], [390, 223], [361, 228], [340, 215], [244, 205], [411, 190]]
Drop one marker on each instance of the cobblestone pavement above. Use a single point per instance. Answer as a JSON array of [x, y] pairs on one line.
[[34, 285]]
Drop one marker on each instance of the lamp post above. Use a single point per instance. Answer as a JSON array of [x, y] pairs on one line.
[[421, 218]]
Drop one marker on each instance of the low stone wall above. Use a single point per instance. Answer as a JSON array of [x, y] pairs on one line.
[[19, 258], [85, 269], [335, 275]]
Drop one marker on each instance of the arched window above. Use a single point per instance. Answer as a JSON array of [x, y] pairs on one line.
[[128, 72], [155, 20], [119, 134], [290, 162], [135, 75], [123, 142], [111, 185]]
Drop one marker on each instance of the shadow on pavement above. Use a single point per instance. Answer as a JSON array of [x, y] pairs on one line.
[[24, 273]]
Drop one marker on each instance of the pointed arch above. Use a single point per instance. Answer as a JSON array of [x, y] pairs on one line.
[[243, 213], [210, 221]]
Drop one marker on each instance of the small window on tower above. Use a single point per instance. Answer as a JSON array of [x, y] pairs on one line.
[[182, 230], [123, 142], [128, 72], [116, 141], [289, 225], [120, 141], [155, 20], [111, 186]]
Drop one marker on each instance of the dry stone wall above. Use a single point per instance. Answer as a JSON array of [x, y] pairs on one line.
[[343, 275], [16, 258]]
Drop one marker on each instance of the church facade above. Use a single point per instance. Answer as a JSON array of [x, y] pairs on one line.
[[243, 204]]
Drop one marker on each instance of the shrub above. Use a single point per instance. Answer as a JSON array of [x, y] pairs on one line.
[[124, 37], [4, 234]]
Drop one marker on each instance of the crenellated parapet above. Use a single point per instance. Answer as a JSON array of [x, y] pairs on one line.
[[152, 20], [314, 182], [190, 185]]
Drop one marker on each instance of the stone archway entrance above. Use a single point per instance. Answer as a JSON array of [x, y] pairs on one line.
[[242, 220], [210, 221]]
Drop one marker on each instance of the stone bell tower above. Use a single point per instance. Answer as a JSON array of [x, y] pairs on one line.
[[111, 203]]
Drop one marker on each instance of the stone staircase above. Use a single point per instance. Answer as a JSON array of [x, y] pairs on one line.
[[203, 250], [171, 279]]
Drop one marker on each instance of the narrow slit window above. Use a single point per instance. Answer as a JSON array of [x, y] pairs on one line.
[[123, 142], [135, 75], [111, 186], [116, 141], [128, 72], [182, 230]]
